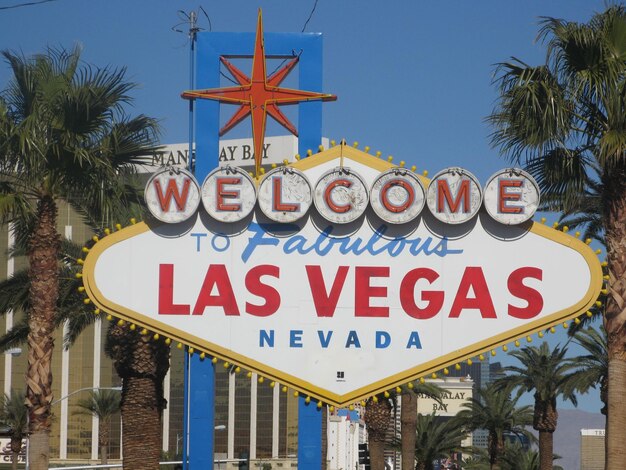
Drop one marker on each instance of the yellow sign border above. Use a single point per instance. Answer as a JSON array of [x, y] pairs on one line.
[[387, 383]]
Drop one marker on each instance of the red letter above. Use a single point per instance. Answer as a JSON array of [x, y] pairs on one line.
[[531, 296], [463, 193], [329, 200], [166, 293], [223, 194], [363, 291], [407, 294], [279, 205], [404, 185], [172, 191], [325, 304], [216, 277], [504, 196], [474, 278], [256, 287]]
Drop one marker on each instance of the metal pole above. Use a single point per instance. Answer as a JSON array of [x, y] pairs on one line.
[[193, 29]]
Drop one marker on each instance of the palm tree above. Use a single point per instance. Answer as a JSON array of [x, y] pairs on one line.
[[568, 119], [71, 310], [494, 410], [142, 363], [103, 404], [14, 415], [549, 375], [436, 439], [63, 136], [593, 368], [409, 418]]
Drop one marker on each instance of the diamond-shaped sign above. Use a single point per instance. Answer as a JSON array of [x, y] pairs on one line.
[[342, 311]]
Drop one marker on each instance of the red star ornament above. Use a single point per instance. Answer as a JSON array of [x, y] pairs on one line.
[[258, 96]]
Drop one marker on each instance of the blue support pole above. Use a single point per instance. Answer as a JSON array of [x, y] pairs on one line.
[[202, 413], [202, 374], [309, 436]]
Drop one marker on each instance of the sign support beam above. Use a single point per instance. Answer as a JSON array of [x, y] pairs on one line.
[[202, 374]]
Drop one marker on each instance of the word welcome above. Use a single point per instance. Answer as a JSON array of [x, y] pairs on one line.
[[341, 195]]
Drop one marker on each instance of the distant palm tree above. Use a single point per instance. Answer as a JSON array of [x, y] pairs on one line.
[[518, 458], [436, 439], [514, 457], [63, 137], [493, 410], [567, 119], [103, 404], [13, 413], [548, 374]]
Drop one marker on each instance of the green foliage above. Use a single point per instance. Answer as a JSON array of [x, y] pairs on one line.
[[514, 457], [436, 439], [101, 403], [493, 409], [593, 367], [546, 372], [566, 119], [13, 413], [64, 134]]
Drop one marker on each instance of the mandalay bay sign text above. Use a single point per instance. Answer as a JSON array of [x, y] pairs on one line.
[[342, 275]]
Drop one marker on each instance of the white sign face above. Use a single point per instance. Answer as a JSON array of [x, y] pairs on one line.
[[511, 196], [285, 195], [172, 196], [454, 196], [341, 312], [397, 196], [228, 194], [341, 196]]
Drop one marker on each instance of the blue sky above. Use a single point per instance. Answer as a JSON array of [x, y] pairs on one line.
[[413, 78]]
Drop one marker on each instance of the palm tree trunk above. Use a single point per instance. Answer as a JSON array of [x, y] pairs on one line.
[[377, 455], [142, 365], [546, 449], [408, 424], [103, 440], [44, 289], [615, 314], [16, 447], [377, 419]]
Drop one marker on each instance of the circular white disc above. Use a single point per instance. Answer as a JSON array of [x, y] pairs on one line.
[[172, 195], [228, 194], [340, 196], [511, 196], [397, 196], [285, 195], [454, 196]]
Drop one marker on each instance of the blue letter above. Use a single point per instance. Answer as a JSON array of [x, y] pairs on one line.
[[324, 340], [257, 239], [383, 339], [198, 237], [295, 339], [414, 340], [353, 340], [265, 338]]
